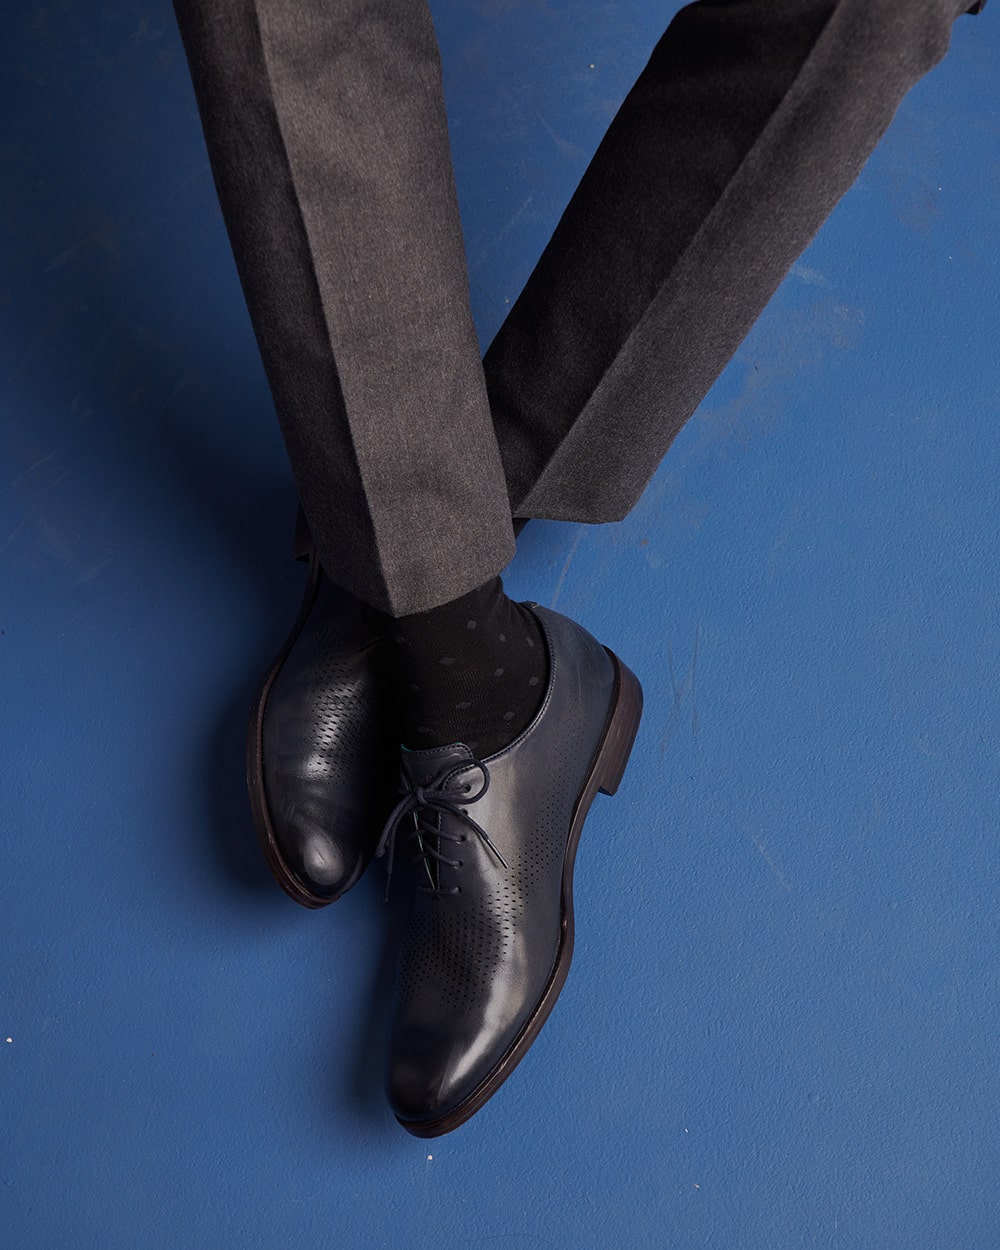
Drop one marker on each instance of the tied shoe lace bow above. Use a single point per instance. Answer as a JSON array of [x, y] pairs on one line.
[[434, 801]]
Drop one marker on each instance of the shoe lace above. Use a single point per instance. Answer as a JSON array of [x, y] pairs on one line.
[[425, 805]]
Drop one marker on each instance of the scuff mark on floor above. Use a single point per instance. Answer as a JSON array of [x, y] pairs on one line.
[[566, 563], [680, 690], [779, 876]]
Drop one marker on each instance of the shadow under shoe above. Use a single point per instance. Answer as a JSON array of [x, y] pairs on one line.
[[489, 937], [322, 752]]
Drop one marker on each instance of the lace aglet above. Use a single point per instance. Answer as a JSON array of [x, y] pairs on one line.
[[493, 848]]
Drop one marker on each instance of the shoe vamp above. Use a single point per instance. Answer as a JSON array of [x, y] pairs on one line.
[[324, 755], [321, 716], [474, 965]]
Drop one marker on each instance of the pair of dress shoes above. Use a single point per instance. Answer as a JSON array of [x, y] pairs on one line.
[[489, 935]]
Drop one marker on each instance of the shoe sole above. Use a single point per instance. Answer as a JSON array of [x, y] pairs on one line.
[[281, 872], [604, 776]]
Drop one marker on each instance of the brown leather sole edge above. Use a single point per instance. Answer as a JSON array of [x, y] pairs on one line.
[[606, 772], [284, 876]]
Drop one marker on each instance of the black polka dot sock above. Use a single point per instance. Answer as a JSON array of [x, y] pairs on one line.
[[473, 671]]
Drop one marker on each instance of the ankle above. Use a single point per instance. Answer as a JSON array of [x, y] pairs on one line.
[[473, 670]]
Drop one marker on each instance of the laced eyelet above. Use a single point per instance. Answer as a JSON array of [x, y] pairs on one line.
[[424, 807]]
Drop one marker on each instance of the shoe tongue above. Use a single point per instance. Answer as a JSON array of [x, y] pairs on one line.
[[420, 768]]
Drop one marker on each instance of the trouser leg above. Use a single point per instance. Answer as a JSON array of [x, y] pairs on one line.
[[751, 120], [325, 127]]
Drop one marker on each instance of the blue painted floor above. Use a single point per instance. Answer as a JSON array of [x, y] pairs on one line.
[[782, 1025]]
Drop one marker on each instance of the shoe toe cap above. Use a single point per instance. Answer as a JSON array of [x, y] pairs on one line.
[[320, 859], [423, 1092], [324, 845], [433, 1078]]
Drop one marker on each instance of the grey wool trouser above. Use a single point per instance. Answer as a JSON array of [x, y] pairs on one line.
[[326, 132]]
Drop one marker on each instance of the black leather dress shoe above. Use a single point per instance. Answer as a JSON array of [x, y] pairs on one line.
[[322, 757], [490, 933]]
